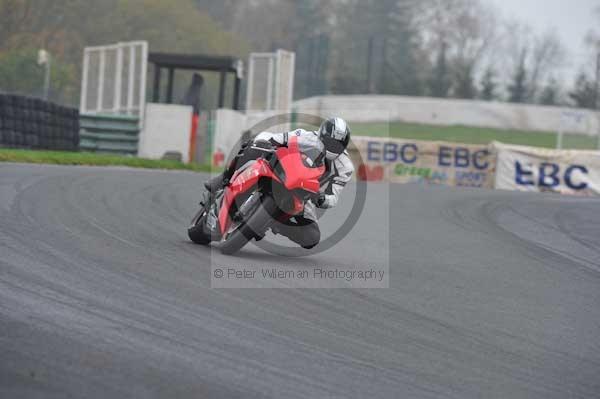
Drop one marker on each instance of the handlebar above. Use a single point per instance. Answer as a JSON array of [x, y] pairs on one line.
[[263, 145]]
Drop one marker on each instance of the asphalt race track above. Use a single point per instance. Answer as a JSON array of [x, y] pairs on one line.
[[492, 295]]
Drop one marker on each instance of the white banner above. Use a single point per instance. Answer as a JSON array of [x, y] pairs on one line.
[[535, 169], [414, 161]]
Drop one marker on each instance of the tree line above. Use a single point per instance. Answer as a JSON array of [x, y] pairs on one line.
[[65, 27], [440, 48]]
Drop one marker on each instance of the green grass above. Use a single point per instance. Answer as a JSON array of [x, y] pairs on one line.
[[93, 159], [471, 135]]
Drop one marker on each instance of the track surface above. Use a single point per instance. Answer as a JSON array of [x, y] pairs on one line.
[[493, 295]]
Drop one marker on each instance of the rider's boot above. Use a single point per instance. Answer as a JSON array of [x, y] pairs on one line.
[[221, 181], [215, 184], [275, 229]]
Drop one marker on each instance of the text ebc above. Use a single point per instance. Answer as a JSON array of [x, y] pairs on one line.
[[458, 157], [550, 175]]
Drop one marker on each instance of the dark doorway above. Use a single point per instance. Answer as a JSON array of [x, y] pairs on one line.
[[172, 62]]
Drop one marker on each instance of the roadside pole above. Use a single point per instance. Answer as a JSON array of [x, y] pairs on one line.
[[44, 58]]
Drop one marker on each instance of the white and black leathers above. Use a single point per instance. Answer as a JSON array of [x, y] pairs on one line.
[[338, 172]]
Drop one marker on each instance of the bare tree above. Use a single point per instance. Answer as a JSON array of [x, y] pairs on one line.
[[464, 30], [529, 60], [547, 55], [584, 94], [518, 88], [488, 84], [592, 41], [550, 93], [14, 15]]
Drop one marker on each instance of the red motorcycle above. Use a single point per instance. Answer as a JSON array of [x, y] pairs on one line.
[[272, 188]]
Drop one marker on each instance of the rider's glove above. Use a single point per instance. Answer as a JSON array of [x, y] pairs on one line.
[[321, 200]]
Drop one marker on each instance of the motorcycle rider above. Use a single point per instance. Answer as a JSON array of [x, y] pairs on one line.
[[334, 136]]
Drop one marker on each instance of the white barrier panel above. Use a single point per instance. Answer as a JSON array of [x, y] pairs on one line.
[[413, 161], [114, 79], [448, 112], [534, 169], [166, 129], [270, 81], [230, 126]]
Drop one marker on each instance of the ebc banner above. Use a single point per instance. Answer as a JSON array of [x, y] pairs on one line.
[[415, 161], [534, 169]]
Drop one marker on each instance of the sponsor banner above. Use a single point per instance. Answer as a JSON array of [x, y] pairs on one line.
[[413, 161], [544, 170]]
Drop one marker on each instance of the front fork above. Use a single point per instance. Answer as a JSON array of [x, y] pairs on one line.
[[209, 206]]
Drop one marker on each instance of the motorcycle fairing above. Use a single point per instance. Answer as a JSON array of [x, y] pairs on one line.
[[243, 181], [297, 176]]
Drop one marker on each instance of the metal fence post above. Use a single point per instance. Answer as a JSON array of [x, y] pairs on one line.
[[118, 80]]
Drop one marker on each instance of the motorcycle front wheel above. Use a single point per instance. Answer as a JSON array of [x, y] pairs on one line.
[[256, 224]]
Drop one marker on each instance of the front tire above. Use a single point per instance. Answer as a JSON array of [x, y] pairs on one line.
[[257, 223]]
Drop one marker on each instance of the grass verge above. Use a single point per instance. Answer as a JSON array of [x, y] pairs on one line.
[[93, 159], [471, 135]]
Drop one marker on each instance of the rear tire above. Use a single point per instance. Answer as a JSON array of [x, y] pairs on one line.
[[257, 223]]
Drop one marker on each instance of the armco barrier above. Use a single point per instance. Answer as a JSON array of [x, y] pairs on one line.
[[115, 134], [31, 123]]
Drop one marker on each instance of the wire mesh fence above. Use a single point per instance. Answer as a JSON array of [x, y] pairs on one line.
[[270, 81], [114, 79]]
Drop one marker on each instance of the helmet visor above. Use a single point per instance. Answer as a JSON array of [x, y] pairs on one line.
[[333, 145]]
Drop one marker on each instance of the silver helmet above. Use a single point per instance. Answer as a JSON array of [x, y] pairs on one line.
[[335, 134]]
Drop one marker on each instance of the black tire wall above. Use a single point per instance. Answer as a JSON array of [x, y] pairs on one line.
[[32, 123]]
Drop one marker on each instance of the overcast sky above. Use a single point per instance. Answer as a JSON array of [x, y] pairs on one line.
[[571, 19]]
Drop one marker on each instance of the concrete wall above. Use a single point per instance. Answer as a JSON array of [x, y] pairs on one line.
[[230, 125], [167, 128], [436, 111]]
